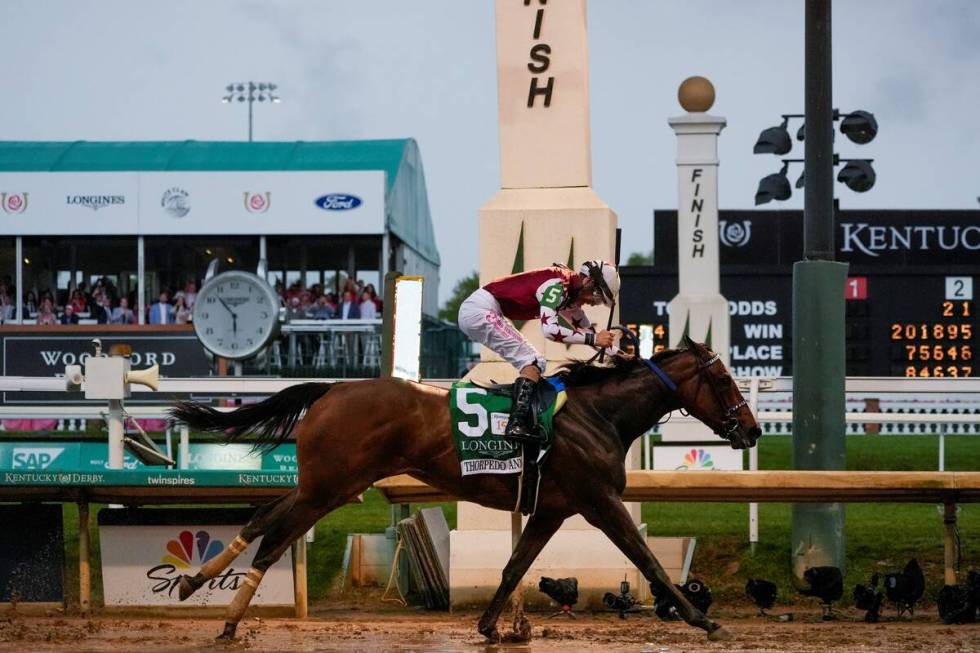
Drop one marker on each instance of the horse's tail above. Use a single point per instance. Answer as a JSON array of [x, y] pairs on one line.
[[271, 420]]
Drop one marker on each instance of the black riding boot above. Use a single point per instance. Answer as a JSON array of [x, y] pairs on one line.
[[521, 426]]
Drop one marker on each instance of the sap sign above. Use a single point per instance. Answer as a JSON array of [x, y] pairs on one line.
[[35, 457], [338, 202]]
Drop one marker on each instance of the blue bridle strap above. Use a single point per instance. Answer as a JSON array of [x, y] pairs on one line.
[[657, 370]]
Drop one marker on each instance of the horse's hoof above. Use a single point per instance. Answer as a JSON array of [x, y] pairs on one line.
[[719, 634], [185, 587], [228, 633], [492, 635]]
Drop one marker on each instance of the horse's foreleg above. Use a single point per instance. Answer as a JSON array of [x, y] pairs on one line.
[[610, 515], [540, 527], [255, 527], [289, 525]]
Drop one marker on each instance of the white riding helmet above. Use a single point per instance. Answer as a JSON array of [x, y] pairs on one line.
[[604, 277]]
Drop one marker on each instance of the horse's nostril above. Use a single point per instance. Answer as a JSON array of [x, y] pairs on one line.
[[755, 433]]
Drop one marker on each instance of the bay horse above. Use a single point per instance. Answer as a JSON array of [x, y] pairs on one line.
[[356, 433]]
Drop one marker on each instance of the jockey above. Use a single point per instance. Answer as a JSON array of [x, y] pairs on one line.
[[554, 296]]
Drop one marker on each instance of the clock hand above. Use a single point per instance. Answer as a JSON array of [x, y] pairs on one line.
[[225, 304]]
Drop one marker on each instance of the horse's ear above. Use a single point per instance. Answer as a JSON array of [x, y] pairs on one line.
[[687, 342]]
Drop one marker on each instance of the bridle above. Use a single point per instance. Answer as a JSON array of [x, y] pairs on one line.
[[729, 413]]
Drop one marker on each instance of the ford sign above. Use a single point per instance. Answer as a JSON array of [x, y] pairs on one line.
[[338, 202]]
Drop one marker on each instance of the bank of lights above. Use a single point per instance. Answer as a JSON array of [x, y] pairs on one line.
[[251, 92], [860, 127]]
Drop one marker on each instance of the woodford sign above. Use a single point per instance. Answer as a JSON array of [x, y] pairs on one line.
[[45, 351]]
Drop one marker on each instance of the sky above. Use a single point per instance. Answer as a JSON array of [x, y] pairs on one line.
[[426, 69]]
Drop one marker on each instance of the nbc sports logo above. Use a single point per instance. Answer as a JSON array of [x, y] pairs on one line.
[[697, 459], [181, 551]]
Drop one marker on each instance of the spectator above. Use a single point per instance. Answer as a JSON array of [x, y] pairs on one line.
[[69, 316], [102, 310], [122, 314], [30, 304], [323, 310], [374, 296], [349, 309], [7, 307], [77, 303], [350, 286], [190, 295], [162, 312], [182, 312], [295, 311], [46, 315], [367, 308], [307, 302]]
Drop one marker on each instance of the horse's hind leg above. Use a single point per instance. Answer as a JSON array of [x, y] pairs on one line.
[[610, 515], [540, 528], [291, 523], [256, 526]]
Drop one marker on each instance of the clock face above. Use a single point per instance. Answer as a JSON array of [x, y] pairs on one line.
[[236, 314]]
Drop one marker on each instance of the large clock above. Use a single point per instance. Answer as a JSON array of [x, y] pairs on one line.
[[236, 314]]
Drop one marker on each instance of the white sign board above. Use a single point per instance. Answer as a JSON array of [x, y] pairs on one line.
[[697, 458], [407, 345], [184, 203], [141, 565]]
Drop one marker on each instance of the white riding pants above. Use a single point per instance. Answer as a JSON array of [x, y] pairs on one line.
[[480, 318]]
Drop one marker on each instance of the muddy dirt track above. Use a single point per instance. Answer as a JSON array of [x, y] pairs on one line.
[[354, 630]]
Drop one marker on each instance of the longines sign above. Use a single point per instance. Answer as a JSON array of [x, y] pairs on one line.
[[862, 237], [183, 202], [47, 354]]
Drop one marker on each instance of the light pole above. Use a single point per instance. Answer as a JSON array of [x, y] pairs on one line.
[[251, 92]]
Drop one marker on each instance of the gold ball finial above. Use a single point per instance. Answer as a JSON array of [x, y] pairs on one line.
[[696, 94]]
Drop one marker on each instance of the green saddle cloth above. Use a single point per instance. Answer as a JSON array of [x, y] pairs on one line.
[[479, 418]]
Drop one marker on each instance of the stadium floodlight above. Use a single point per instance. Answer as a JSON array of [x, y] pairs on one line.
[[251, 92], [774, 140], [801, 179], [858, 175], [859, 126], [774, 187]]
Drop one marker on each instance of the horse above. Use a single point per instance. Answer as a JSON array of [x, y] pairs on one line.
[[355, 433]]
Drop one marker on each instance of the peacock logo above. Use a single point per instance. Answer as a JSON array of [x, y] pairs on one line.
[[181, 551], [697, 459]]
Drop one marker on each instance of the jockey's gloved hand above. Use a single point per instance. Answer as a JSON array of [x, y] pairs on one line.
[[606, 339]]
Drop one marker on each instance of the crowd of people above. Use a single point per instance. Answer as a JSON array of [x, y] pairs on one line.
[[357, 301], [104, 304]]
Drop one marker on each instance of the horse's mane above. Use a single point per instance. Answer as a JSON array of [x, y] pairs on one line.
[[579, 373]]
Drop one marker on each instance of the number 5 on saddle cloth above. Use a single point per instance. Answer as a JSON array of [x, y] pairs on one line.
[[479, 417]]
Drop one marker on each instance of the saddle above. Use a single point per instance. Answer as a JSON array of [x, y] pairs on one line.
[[548, 399]]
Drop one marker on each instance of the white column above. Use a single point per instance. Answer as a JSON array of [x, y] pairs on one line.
[[140, 280], [19, 282], [699, 309], [116, 430]]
